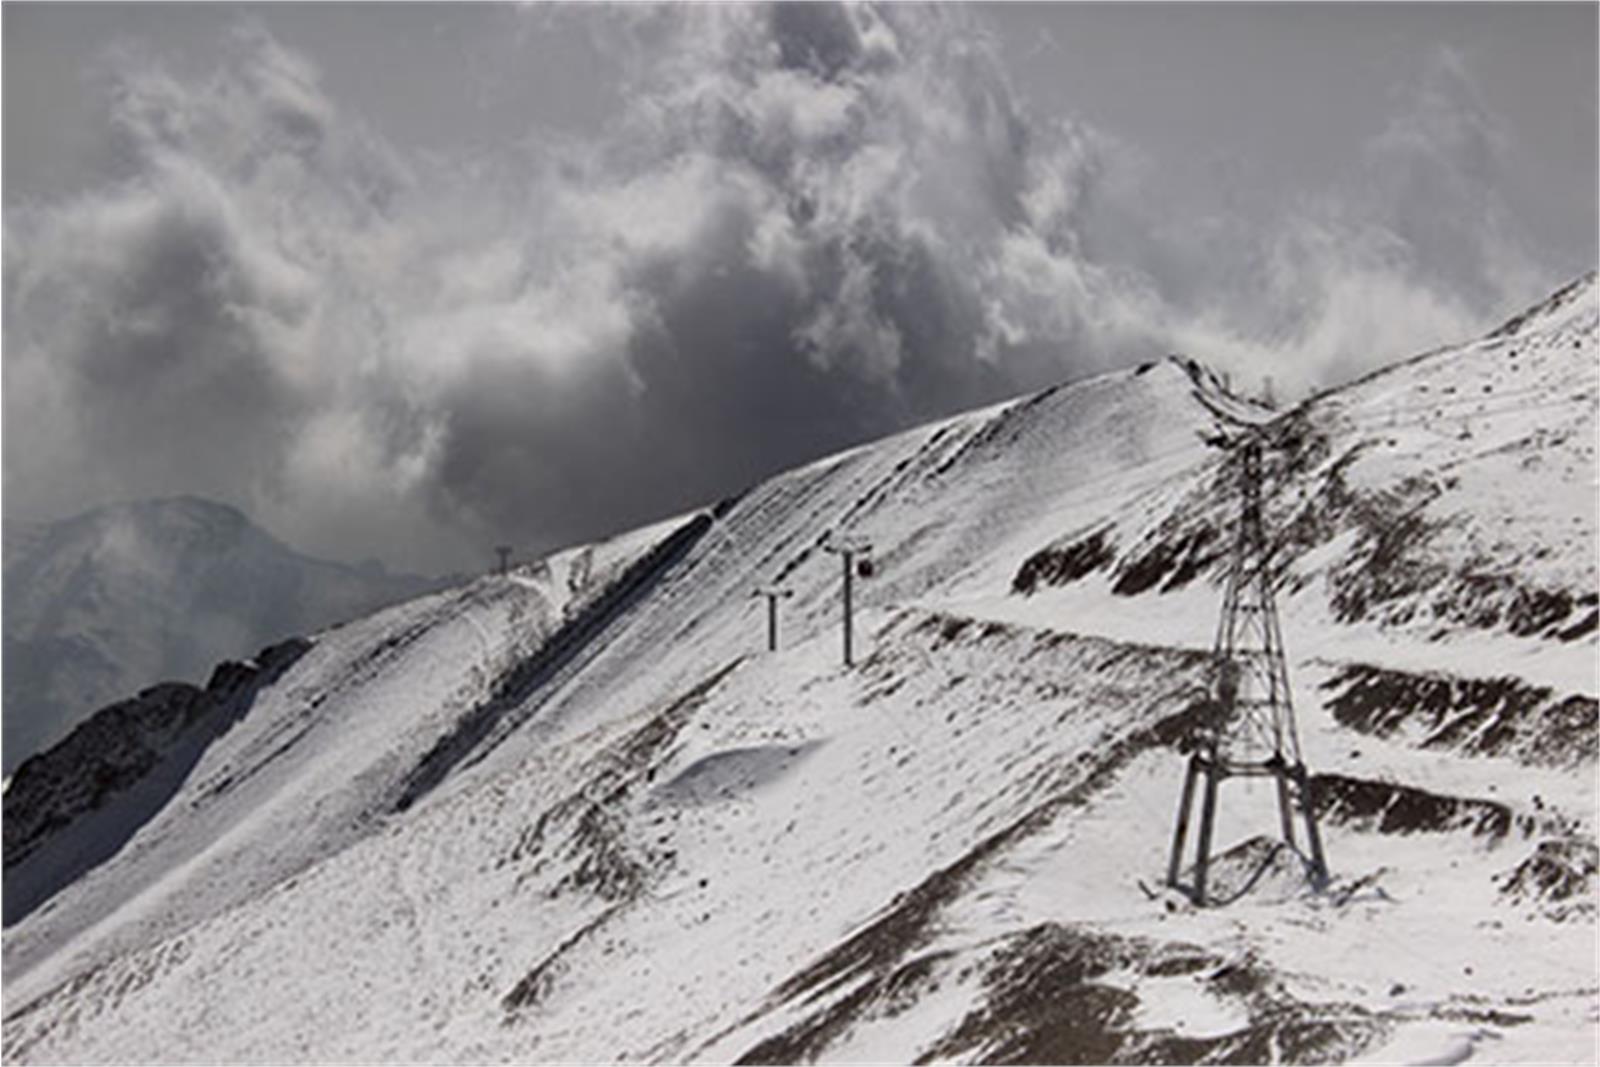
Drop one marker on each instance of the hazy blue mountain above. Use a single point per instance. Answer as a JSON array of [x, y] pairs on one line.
[[108, 602]]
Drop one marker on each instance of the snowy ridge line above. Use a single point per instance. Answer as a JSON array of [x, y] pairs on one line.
[[1064, 503], [1569, 292], [392, 645], [1084, 490], [1513, 327], [941, 448], [1063, 489], [1067, 493], [1215, 396]]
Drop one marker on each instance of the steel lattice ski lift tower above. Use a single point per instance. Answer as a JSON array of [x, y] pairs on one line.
[[1247, 724]]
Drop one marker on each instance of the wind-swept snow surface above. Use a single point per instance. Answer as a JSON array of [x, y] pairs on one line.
[[579, 813]]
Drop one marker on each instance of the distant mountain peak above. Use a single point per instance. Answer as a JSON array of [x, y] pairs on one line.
[[120, 597]]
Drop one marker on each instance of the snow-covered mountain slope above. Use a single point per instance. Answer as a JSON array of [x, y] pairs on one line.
[[579, 813], [121, 597]]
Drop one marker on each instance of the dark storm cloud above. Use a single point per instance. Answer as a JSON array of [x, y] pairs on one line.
[[763, 238], [809, 225], [208, 320]]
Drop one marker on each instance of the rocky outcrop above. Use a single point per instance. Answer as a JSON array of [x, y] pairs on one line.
[[121, 744]]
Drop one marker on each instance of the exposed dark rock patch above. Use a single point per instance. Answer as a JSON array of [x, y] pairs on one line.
[[1043, 1005], [131, 756], [1391, 808], [1062, 566], [879, 996], [120, 743], [1478, 716], [1050, 998], [1172, 564], [1560, 874]]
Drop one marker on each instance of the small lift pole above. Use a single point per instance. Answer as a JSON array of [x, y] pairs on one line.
[[847, 549], [773, 594]]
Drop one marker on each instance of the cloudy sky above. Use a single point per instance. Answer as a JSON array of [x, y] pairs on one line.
[[406, 281]]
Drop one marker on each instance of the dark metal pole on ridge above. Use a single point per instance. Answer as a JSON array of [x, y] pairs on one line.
[[773, 594], [847, 548]]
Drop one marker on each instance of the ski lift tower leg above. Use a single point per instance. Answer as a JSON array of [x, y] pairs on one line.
[[1208, 815], [1285, 815], [847, 558], [1308, 809], [1181, 830]]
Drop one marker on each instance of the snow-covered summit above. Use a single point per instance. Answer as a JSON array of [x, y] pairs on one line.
[[580, 813]]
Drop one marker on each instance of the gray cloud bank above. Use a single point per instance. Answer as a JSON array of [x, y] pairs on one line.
[[810, 225]]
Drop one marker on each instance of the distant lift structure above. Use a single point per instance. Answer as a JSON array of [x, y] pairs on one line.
[[1246, 721], [856, 555], [773, 594]]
